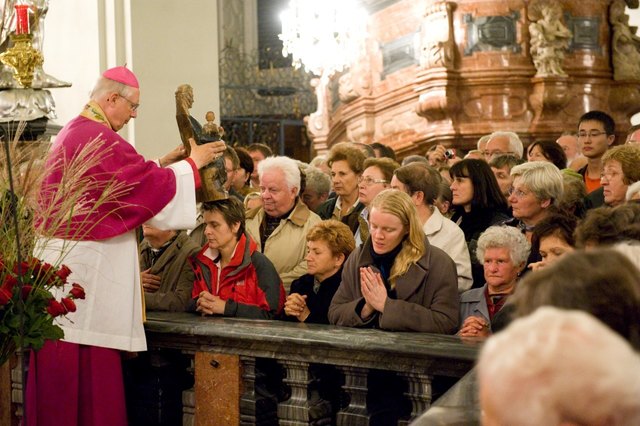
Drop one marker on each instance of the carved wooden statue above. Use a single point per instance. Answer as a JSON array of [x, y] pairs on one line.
[[214, 175]]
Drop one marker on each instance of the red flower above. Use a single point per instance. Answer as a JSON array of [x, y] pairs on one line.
[[5, 296], [56, 308], [69, 305], [63, 273], [26, 291], [9, 282], [77, 292], [21, 268], [6, 290]]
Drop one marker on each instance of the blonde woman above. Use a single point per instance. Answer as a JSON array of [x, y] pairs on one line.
[[396, 280]]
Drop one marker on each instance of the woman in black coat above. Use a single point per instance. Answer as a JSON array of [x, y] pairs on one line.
[[329, 243]]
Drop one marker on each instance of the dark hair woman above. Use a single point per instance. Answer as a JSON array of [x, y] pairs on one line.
[[478, 203], [548, 151]]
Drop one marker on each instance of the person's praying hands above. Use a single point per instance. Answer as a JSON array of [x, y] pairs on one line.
[[296, 306], [208, 304], [373, 291]]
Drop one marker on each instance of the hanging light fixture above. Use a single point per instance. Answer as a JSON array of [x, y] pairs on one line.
[[323, 36]]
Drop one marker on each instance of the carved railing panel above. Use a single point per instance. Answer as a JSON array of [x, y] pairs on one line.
[[271, 345]]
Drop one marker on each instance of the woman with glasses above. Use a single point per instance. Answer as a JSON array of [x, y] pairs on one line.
[[478, 203], [537, 192], [396, 280], [375, 178], [537, 188], [620, 168]]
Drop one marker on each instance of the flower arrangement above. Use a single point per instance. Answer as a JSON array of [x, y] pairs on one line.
[[28, 308], [29, 312]]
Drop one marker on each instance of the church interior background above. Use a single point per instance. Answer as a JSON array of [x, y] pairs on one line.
[[228, 51], [428, 71]]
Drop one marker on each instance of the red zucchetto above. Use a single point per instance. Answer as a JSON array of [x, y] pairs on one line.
[[122, 75]]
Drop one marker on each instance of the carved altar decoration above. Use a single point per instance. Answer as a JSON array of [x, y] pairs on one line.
[[214, 175], [455, 70], [436, 36], [625, 45], [549, 38]]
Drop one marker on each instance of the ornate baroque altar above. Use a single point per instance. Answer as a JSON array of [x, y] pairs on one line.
[[452, 71]]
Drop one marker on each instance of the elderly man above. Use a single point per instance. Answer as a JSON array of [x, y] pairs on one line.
[[501, 143], [280, 226], [571, 147], [105, 259]]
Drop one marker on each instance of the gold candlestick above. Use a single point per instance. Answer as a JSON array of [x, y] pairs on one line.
[[23, 58]]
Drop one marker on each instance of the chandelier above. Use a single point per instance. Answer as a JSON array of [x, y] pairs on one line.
[[323, 36]]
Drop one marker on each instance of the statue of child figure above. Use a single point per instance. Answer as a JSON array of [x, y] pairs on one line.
[[210, 130]]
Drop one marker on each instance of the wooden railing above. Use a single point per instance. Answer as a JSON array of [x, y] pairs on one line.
[[224, 353]]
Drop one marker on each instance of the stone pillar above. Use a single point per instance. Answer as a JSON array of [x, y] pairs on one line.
[[295, 410], [418, 392], [355, 386]]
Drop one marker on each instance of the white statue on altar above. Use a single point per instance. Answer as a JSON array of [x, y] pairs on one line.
[[549, 39]]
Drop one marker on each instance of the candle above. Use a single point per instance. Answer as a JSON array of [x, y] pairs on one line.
[[22, 19]]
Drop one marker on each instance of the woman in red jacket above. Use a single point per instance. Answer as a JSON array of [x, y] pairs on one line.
[[230, 277]]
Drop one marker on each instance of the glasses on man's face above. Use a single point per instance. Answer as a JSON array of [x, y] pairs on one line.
[[592, 134], [368, 180], [132, 105]]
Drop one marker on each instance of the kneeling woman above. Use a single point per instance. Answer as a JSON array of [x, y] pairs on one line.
[[329, 243], [230, 277], [396, 280]]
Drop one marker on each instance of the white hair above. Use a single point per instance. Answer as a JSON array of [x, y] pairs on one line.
[[515, 144], [105, 86], [632, 190], [504, 237], [558, 366], [483, 139], [286, 165], [542, 178]]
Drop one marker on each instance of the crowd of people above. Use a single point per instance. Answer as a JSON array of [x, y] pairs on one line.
[[466, 246]]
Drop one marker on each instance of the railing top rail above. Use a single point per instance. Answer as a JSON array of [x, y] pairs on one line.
[[285, 338]]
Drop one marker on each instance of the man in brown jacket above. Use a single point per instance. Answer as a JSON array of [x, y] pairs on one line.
[[163, 258]]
